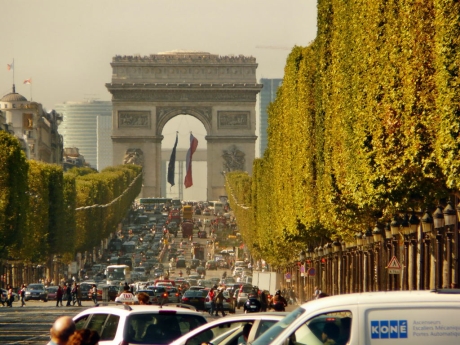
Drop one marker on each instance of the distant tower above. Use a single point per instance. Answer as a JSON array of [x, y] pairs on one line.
[[267, 95], [87, 126]]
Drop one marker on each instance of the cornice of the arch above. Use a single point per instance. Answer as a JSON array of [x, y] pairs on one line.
[[164, 114]]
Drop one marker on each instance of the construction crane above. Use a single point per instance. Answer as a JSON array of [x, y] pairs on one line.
[[274, 47]]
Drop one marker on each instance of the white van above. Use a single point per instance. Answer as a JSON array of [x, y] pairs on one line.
[[398, 317]]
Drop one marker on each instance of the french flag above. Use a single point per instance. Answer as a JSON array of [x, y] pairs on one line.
[[188, 181]]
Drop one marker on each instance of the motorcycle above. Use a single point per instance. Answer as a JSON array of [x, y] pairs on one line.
[[252, 305]]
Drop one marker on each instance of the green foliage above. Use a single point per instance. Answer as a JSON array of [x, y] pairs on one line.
[[13, 197], [366, 123]]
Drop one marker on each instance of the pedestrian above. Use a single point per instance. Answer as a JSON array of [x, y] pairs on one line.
[[212, 299], [9, 296], [317, 292], [78, 295], [73, 291], [68, 292], [220, 301], [94, 293], [263, 301], [84, 336], [143, 298], [23, 295], [61, 331], [59, 294]]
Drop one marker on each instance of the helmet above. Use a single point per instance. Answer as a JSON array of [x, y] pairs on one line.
[[278, 292]]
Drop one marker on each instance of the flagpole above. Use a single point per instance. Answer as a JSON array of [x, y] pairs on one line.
[[31, 99], [13, 71]]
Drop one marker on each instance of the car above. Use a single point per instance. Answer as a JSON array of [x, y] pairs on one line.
[[206, 212], [150, 292], [202, 234], [238, 271], [243, 294], [201, 270], [228, 330], [161, 295], [138, 324], [180, 262], [400, 317], [211, 265], [173, 295], [195, 297], [113, 291], [36, 292], [52, 292], [194, 263]]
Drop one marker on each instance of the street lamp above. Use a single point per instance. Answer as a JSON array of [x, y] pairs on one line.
[[438, 219], [450, 217], [427, 228], [302, 257], [378, 237], [414, 223]]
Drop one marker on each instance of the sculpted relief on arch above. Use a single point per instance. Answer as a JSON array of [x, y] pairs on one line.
[[234, 159]]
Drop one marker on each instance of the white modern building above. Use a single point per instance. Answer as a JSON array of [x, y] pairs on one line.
[[80, 129]]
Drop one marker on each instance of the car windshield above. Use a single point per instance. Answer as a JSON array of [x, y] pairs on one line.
[[36, 287], [160, 328], [278, 327]]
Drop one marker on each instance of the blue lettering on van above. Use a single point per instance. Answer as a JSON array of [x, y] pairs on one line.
[[389, 329]]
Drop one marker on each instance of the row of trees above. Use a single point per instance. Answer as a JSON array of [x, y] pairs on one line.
[[366, 124], [44, 211]]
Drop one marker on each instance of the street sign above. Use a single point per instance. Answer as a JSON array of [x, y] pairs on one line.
[[394, 267], [288, 276], [311, 272]]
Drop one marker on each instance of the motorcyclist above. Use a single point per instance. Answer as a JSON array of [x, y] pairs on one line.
[[224, 275], [279, 302], [187, 270]]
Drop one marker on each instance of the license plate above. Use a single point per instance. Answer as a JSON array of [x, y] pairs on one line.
[[35, 294], [194, 300], [253, 306]]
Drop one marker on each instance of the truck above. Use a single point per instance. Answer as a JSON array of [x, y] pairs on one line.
[[187, 213], [187, 229], [174, 216], [270, 281]]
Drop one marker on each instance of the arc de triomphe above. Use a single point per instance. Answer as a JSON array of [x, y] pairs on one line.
[[220, 91]]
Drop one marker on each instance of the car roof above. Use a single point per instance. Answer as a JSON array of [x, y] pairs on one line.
[[386, 297], [122, 309]]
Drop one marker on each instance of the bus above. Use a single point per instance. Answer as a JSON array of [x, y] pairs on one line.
[[216, 207], [117, 274], [151, 203]]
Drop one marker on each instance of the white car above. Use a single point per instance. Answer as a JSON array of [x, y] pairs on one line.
[[228, 330], [139, 324]]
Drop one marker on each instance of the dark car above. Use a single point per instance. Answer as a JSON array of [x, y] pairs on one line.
[[194, 263], [180, 263], [52, 292], [211, 265], [197, 298], [201, 270], [202, 234], [113, 292], [36, 292]]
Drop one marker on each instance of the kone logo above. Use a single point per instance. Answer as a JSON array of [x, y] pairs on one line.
[[389, 329]]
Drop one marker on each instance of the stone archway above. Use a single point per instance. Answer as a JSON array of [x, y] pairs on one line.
[[220, 91]]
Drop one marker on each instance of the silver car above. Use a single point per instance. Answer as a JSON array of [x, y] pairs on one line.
[[229, 330], [36, 292]]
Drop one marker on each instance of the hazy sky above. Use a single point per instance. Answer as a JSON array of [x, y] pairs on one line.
[[66, 46]]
